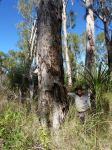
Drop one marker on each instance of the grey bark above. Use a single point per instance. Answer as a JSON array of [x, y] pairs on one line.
[[52, 95], [65, 46], [90, 45]]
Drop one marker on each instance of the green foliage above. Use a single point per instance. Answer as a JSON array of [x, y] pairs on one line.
[[26, 8], [44, 137], [9, 60], [28, 11], [16, 72], [10, 130], [18, 77], [101, 53], [20, 130], [98, 82], [73, 41], [3, 57], [100, 37], [83, 40]]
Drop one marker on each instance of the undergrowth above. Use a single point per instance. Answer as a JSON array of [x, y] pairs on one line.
[[94, 134], [20, 130]]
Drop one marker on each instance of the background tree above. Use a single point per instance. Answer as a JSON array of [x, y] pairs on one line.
[[65, 46], [90, 45], [103, 10], [29, 12], [73, 51]]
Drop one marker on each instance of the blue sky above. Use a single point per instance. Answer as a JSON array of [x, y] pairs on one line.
[[79, 11], [9, 17]]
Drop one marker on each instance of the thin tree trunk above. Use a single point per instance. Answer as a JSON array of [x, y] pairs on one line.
[[65, 47], [52, 95], [109, 49], [109, 46], [31, 86], [90, 46]]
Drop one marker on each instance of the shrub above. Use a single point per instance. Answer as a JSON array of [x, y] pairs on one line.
[[20, 130]]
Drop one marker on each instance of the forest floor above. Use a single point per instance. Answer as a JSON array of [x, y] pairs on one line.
[[20, 130]]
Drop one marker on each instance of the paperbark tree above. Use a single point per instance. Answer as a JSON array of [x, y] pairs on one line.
[[52, 101]]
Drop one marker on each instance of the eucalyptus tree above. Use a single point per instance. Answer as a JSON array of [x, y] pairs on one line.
[[90, 42], [52, 101], [28, 10], [74, 51], [103, 10], [66, 51], [65, 46]]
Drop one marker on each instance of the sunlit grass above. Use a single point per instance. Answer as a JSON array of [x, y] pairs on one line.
[[95, 134], [20, 130]]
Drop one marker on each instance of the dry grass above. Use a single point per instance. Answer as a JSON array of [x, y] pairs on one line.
[[95, 134], [19, 128]]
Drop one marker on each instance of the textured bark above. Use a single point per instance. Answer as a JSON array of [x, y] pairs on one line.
[[109, 49], [52, 95], [108, 41], [90, 46], [66, 51]]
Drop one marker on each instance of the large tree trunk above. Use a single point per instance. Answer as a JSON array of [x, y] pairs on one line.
[[65, 47], [52, 95], [90, 46]]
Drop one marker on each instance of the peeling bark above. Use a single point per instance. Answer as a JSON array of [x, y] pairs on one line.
[[52, 95], [90, 46]]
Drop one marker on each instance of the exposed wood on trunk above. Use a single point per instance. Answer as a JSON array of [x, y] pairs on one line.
[[52, 94]]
